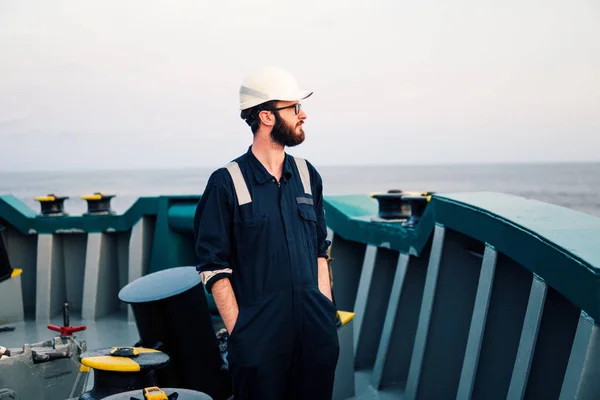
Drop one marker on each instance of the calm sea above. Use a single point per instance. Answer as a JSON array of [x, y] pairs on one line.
[[574, 186]]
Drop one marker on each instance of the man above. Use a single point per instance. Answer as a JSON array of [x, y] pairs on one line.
[[261, 238]]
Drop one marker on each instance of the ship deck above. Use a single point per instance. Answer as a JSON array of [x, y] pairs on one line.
[[116, 330]]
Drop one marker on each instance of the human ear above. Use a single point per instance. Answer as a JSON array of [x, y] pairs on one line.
[[267, 118]]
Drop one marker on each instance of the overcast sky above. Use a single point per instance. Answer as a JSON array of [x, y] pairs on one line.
[[136, 84]]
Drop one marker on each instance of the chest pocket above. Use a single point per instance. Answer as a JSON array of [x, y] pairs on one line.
[[248, 233], [308, 214], [308, 220]]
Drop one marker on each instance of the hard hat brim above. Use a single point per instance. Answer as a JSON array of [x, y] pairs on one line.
[[305, 94], [301, 95]]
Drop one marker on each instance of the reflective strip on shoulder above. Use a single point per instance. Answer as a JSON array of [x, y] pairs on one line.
[[303, 170], [239, 183]]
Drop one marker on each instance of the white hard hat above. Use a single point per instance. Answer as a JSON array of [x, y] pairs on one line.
[[270, 83]]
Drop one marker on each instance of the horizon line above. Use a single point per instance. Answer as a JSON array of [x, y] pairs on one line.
[[317, 165]]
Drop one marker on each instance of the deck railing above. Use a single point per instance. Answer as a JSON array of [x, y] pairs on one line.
[[488, 296]]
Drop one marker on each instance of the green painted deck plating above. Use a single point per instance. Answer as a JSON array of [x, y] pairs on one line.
[[490, 296], [559, 245]]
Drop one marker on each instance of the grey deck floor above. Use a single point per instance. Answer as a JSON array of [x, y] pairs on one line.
[[113, 330], [116, 330], [110, 331], [364, 391]]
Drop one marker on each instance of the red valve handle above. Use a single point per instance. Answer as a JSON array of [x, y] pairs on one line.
[[67, 330]]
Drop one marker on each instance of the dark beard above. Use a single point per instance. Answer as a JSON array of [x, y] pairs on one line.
[[284, 134]]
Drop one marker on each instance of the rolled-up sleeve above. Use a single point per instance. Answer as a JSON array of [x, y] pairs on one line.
[[322, 242], [212, 230]]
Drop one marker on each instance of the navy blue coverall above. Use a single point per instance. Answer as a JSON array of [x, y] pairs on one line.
[[284, 343]]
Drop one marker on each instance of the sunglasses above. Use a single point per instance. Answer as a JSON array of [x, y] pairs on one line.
[[296, 108]]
